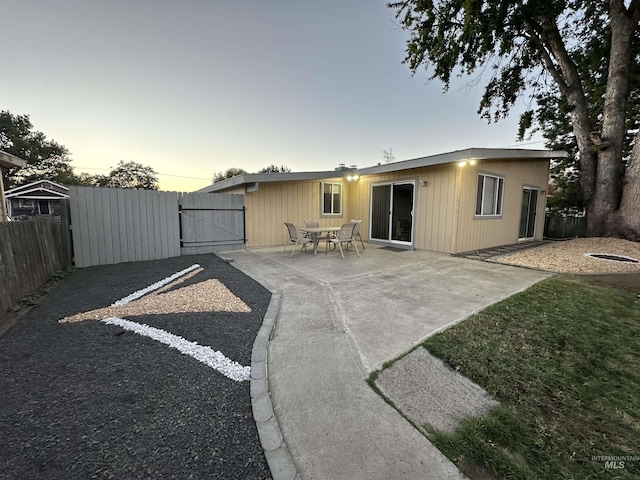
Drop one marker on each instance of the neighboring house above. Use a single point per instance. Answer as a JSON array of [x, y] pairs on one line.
[[452, 202], [7, 161], [36, 198]]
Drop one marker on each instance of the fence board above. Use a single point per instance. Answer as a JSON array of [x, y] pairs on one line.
[[150, 225], [94, 256], [106, 207], [65, 250], [98, 201]]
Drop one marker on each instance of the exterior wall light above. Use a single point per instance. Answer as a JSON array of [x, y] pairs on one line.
[[463, 163], [423, 183], [352, 178]]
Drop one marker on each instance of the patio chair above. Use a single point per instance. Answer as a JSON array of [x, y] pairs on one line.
[[342, 236], [295, 238], [356, 231]]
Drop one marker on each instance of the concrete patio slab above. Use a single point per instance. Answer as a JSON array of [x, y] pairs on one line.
[[432, 394], [341, 319]]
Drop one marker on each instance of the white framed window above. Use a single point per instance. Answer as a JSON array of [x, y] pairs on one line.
[[331, 198], [489, 195]]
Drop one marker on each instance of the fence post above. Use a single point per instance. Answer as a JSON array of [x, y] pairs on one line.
[[66, 254]]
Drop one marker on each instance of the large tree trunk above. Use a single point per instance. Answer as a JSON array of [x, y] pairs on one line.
[[602, 208], [601, 211], [629, 213]]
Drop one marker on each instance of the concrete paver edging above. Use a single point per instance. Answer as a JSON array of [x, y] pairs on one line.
[[276, 452]]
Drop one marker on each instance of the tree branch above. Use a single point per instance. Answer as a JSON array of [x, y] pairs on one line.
[[634, 11], [543, 50]]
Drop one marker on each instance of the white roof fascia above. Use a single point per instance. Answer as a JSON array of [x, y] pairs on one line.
[[34, 197], [254, 178], [15, 194], [38, 182], [458, 155], [9, 160]]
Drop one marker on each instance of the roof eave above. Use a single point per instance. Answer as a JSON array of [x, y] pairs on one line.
[[11, 161], [26, 194], [439, 159], [459, 155], [255, 178], [37, 182]]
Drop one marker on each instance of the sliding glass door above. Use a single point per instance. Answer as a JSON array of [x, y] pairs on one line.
[[392, 212], [528, 213]]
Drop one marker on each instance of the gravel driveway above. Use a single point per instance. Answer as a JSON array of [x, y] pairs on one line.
[[91, 400]]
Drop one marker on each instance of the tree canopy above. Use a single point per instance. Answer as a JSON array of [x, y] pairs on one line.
[[274, 169], [576, 63], [128, 175], [233, 172], [46, 159]]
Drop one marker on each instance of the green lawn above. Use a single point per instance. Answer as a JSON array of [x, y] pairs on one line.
[[563, 359]]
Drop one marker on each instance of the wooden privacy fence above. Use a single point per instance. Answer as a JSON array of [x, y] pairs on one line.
[[564, 227], [113, 225], [31, 252]]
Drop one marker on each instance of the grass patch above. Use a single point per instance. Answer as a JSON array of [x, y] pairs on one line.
[[34, 297], [563, 359]]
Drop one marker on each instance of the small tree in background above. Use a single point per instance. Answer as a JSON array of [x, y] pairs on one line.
[[274, 169], [389, 157], [231, 172], [129, 175]]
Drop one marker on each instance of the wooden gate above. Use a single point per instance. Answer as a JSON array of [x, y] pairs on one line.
[[114, 225], [211, 222]]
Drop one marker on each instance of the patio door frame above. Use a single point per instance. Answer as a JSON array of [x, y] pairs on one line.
[[392, 214], [528, 213]]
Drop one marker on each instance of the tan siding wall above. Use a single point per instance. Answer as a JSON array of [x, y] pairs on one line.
[[474, 233], [433, 209], [436, 215], [358, 205], [279, 202]]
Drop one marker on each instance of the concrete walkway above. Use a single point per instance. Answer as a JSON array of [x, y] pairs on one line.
[[341, 319]]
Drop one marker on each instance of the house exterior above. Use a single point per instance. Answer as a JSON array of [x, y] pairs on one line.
[[452, 202], [36, 198], [7, 161]]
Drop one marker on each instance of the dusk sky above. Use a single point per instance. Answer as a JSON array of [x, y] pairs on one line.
[[195, 87]]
